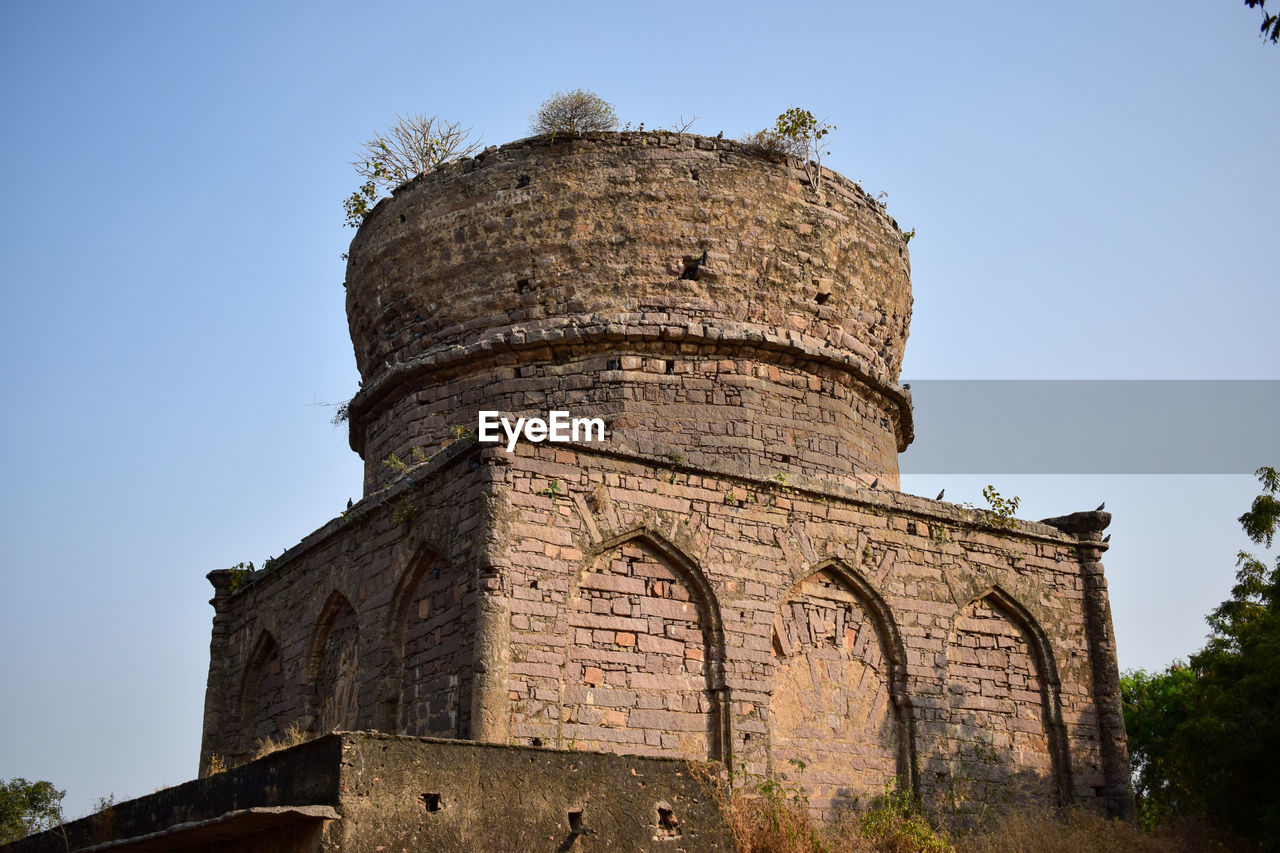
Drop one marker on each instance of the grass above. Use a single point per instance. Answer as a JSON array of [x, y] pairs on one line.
[[292, 735], [765, 817]]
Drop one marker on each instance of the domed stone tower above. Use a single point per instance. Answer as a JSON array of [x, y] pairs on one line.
[[728, 570]]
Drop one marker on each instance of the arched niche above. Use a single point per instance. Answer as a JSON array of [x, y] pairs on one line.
[[334, 667], [644, 663], [263, 692], [838, 704], [1005, 742], [427, 681]]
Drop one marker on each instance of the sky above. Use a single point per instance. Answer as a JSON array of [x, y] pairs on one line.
[[1092, 186]]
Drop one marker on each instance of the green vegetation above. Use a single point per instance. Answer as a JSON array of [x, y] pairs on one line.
[[1002, 509], [1204, 737], [799, 134], [413, 145], [27, 807]]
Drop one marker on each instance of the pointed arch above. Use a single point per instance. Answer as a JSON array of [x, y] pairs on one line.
[[1002, 680], [645, 669], [425, 687], [333, 667], [263, 691], [840, 688]]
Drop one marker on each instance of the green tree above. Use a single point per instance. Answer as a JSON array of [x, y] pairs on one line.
[[27, 807], [1205, 739], [1155, 705]]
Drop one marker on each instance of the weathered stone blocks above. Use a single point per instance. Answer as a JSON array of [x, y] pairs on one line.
[[718, 579]]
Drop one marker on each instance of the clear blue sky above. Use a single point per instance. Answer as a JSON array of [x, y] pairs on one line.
[[1093, 187]]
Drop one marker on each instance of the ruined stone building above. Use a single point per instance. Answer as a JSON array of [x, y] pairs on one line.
[[731, 573]]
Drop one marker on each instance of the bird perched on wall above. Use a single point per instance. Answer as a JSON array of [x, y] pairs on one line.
[[875, 482], [1106, 538], [940, 494], [720, 135], [348, 503], [1101, 507]]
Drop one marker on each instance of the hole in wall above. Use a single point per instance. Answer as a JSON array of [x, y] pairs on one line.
[[693, 173], [524, 181], [575, 820], [822, 298], [402, 217], [522, 286], [431, 801], [613, 364], [668, 823], [671, 367], [533, 584], [536, 742], [786, 460]]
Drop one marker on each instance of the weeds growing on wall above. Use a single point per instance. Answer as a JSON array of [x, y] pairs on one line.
[[413, 145], [292, 735]]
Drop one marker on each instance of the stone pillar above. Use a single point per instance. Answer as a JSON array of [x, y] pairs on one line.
[[1117, 792], [216, 693], [490, 702]]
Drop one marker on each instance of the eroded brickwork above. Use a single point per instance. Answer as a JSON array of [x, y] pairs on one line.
[[997, 701], [732, 574], [691, 291], [832, 707]]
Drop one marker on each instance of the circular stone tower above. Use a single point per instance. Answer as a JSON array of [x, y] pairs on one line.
[[708, 301]]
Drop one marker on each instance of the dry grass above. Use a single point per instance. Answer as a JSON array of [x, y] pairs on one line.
[[1079, 831], [773, 820], [292, 735]]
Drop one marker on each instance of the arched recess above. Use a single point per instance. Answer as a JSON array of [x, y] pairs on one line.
[[1006, 743], [839, 700], [426, 685], [644, 665], [334, 667], [263, 692]]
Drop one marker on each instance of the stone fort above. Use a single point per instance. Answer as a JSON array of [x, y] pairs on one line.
[[733, 573]]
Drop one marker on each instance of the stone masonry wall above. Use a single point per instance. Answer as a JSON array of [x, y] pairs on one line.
[[839, 639], [874, 637], [671, 284], [731, 574], [369, 623], [366, 792]]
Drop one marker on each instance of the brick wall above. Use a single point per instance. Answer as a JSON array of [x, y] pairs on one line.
[[731, 574], [839, 639], [689, 290]]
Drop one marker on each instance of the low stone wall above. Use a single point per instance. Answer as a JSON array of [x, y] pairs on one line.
[[363, 792]]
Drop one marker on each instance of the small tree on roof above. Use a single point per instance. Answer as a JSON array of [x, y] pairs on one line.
[[413, 145], [572, 113]]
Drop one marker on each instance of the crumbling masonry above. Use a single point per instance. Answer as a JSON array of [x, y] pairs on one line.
[[732, 573]]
